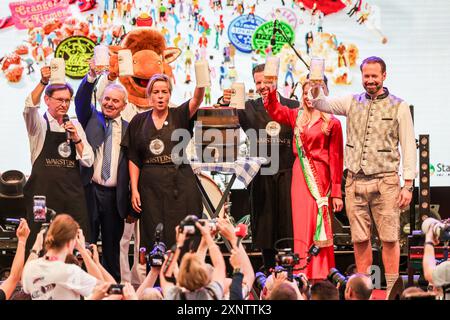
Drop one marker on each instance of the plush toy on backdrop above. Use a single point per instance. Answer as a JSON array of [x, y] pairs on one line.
[[150, 56]]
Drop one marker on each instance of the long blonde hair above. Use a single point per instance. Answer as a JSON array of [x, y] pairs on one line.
[[306, 116]]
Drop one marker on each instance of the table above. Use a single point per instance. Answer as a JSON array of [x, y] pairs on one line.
[[244, 169]]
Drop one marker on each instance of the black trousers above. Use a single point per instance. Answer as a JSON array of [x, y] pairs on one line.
[[105, 220]]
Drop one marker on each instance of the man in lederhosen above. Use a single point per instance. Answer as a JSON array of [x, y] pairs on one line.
[[58, 149], [270, 193]]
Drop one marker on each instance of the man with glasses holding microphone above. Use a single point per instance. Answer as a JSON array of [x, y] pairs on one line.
[[58, 147]]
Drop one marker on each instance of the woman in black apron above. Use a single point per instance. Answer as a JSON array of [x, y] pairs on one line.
[[163, 190]]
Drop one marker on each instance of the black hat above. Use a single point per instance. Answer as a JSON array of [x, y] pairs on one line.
[[11, 184]]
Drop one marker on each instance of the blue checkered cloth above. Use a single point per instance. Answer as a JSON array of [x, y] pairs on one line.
[[244, 168]]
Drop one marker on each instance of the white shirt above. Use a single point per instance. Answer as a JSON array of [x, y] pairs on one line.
[[37, 130], [115, 152], [341, 106], [56, 280]]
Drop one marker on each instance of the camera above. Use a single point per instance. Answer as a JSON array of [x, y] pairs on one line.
[[155, 258], [115, 289], [77, 253], [10, 224], [286, 258], [188, 224], [441, 230], [259, 283], [335, 277]]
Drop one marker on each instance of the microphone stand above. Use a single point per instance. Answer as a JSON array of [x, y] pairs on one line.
[[280, 31]]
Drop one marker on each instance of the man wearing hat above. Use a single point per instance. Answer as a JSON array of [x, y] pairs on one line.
[[58, 149]]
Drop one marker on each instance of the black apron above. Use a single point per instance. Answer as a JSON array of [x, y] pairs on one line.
[[168, 192], [270, 195], [56, 175]]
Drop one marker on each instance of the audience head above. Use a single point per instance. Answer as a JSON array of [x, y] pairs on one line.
[[62, 234], [283, 291], [194, 273], [324, 290], [359, 287]]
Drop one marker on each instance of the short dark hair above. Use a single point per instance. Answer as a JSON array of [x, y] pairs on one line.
[[358, 284], [374, 59], [324, 290], [258, 68], [283, 291], [49, 90]]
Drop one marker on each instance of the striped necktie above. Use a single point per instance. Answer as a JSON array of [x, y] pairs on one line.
[[107, 150]]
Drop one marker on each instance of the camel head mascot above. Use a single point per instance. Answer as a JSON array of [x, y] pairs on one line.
[[150, 56]]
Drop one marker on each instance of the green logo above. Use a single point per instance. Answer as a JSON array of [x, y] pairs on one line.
[[431, 169], [262, 36], [76, 52]]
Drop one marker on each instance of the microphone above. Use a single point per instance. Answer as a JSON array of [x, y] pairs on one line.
[[240, 232], [65, 119], [274, 32]]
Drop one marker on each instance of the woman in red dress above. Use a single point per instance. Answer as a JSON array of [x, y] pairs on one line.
[[316, 179]]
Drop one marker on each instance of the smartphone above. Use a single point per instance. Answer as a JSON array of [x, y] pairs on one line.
[[39, 209], [115, 289]]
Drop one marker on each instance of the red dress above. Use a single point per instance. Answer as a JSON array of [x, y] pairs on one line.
[[326, 151]]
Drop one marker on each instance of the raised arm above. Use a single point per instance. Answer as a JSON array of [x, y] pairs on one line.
[[215, 254], [196, 101], [83, 106], [31, 114], [278, 112], [9, 285], [338, 106]]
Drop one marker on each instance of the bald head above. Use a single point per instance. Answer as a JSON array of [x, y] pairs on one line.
[[359, 287]]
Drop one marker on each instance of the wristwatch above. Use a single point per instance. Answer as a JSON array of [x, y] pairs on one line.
[[409, 188]]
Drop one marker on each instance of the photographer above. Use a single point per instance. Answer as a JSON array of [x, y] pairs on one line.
[[8, 286], [49, 277], [278, 287], [359, 287], [436, 275], [194, 279]]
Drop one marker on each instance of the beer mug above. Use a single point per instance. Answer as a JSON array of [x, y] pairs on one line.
[[57, 71], [317, 68], [101, 58], [125, 59], [237, 95], [271, 69], [202, 74]]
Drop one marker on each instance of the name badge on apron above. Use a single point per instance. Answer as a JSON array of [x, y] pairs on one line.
[[64, 150], [156, 147], [273, 128]]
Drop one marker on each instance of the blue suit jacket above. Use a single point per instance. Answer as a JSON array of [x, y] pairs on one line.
[[93, 123]]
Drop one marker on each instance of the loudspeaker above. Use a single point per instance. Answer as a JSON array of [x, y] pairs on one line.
[[424, 186]]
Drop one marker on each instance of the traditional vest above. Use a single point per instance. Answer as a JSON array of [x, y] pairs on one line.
[[372, 134]]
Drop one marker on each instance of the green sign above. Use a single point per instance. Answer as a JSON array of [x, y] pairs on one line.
[[262, 36], [76, 52]]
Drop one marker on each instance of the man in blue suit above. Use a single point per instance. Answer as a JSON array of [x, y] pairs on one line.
[[107, 181]]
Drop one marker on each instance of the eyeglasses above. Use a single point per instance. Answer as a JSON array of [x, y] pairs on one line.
[[61, 100]]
